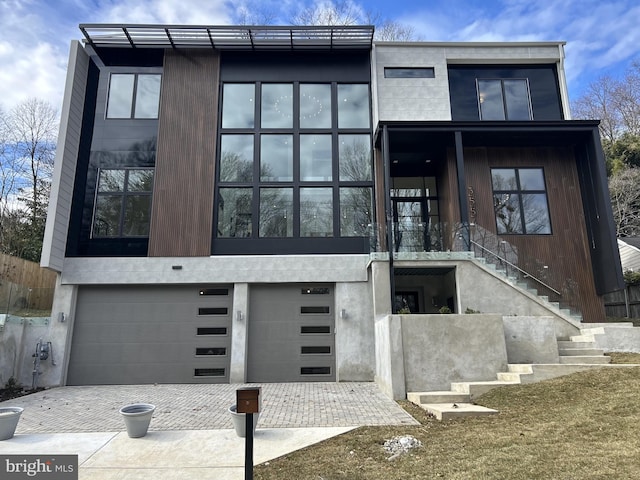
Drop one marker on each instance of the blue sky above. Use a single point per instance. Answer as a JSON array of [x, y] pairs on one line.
[[603, 36]]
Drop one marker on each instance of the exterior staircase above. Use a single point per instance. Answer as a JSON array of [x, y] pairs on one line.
[[576, 354]]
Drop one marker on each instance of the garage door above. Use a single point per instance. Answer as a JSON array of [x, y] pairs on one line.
[[291, 333], [151, 334]]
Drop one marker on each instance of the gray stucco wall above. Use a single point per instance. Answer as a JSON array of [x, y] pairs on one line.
[[55, 235], [440, 349], [427, 99], [355, 361]]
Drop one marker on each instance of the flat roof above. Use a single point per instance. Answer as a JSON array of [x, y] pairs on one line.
[[227, 37]]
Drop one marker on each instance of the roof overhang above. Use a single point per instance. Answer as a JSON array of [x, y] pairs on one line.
[[228, 37]]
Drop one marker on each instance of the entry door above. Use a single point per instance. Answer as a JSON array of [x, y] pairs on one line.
[[411, 225]]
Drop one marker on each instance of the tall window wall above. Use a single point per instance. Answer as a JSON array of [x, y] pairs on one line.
[[294, 162]]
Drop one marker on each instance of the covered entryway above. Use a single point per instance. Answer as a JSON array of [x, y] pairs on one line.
[[151, 334], [291, 333], [424, 290]]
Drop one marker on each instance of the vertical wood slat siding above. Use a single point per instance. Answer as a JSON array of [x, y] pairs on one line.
[[566, 250], [449, 204], [182, 211]]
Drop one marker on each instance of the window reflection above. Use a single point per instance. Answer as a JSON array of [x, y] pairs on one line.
[[276, 158], [315, 106], [356, 205], [277, 106], [504, 99], [147, 96], [490, 97], [354, 153], [236, 158], [234, 212], [120, 96], [315, 158], [124, 87], [353, 106], [316, 212], [520, 201], [123, 203], [276, 212], [238, 107]]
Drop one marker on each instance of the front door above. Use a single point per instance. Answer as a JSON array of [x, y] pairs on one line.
[[411, 225]]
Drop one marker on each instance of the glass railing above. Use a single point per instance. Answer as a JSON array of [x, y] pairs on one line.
[[445, 240], [19, 302]]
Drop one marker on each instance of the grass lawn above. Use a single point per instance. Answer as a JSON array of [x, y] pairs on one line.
[[582, 426]]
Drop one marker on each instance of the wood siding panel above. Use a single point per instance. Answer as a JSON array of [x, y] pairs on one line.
[[182, 211], [566, 251], [448, 199]]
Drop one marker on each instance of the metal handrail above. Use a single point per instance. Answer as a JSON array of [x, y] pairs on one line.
[[526, 274]]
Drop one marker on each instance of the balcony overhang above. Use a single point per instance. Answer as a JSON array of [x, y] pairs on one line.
[[418, 136], [228, 37]]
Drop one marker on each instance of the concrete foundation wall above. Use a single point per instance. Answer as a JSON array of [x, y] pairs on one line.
[[355, 361], [440, 349], [389, 357], [482, 291], [616, 339], [531, 339]]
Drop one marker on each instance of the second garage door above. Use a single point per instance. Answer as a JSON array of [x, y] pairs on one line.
[[291, 333]]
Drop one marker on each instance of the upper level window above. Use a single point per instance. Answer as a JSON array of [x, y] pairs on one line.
[[520, 201], [133, 95], [409, 72], [298, 164], [504, 99], [123, 203]]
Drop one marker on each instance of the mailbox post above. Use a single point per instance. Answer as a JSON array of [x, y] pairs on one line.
[[248, 401]]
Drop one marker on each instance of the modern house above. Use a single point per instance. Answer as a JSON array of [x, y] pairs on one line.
[[260, 204]]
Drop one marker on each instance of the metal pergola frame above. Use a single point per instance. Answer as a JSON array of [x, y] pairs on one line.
[[228, 37]]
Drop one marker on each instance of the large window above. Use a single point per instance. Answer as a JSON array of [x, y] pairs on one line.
[[504, 99], [520, 201], [295, 161], [123, 203], [133, 95]]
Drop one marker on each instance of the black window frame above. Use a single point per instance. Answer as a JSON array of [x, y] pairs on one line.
[[519, 191], [292, 242], [124, 194], [132, 107], [409, 72], [505, 106]]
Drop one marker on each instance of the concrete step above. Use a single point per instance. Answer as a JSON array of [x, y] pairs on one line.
[[562, 344], [520, 367], [585, 359], [448, 411], [475, 389], [612, 324], [437, 397], [592, 331], [583, 338], [577, 352], [515, 377]]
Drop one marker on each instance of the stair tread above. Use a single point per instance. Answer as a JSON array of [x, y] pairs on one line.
[[444, 411]]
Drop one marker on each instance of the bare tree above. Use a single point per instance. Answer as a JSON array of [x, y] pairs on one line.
[[27, 137], [599, 103], [342, 12], [345, 12], [625, 201]]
